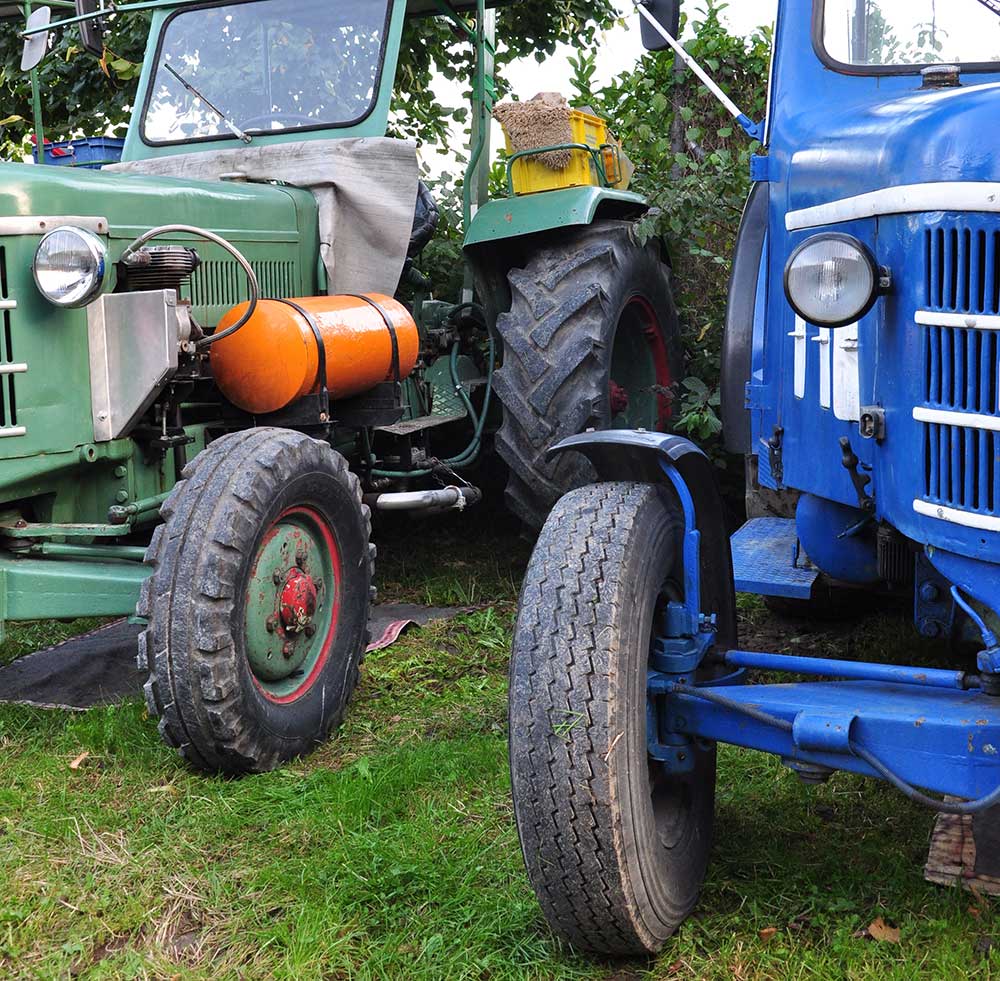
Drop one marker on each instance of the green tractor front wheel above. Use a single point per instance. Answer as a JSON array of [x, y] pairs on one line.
[[257, 607]]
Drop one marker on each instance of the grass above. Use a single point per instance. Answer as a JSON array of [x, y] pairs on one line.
[[391, 852]]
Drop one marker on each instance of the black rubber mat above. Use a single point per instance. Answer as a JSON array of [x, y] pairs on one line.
[[99, 668]]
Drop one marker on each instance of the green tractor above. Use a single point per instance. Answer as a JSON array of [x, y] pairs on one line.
[[207, 383]]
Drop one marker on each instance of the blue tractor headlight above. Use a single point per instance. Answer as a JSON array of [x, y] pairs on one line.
[[831, 280], [69, 266]]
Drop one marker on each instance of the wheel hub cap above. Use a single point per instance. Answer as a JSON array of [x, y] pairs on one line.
[[288, 616], [297, 602]]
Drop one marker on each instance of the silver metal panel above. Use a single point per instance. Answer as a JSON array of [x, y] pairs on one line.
[[40, 224], [133, 353]]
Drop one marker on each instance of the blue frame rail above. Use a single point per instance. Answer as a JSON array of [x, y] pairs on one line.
[[916, 727]]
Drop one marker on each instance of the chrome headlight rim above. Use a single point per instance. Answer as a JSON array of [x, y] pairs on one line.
[[869, 259], [98, 253]]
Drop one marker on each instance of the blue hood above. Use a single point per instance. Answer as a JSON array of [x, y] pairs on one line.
[[923, 136]]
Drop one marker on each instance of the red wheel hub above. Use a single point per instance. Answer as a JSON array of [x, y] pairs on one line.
[[619, 398], [297, 603]]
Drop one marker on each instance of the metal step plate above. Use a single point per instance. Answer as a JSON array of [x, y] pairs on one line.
[[764, 551]]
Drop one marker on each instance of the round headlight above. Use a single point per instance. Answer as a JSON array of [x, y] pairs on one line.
[[69, 266], [831, 280]]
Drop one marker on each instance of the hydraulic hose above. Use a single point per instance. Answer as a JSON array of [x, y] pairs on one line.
[[918, 796], [468, 455], [204, 233]]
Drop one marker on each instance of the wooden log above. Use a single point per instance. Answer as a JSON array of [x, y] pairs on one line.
[[965, 852]]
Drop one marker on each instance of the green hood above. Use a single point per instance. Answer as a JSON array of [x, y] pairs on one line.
[[133, 203]]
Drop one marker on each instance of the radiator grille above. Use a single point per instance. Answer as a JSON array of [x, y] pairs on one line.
[[961, 365], [960, 468], [962, 267], [221, 283], [960, 369], [8, 380]]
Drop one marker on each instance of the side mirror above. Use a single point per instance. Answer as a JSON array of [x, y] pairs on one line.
[[91, 31], [35, 45], [667, 14]]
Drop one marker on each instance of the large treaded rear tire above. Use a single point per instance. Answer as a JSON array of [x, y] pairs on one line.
[[615, 849], [211, 706], [559, 339]]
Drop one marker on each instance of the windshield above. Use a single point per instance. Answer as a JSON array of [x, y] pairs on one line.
[[907, 33], [266, 65]]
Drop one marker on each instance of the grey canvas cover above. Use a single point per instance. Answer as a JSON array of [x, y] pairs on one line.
[[365, 187]]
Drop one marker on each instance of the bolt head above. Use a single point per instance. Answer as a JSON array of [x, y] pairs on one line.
[[929, 592], [289, 649], [930, 628], [272, 624], [276, 578]]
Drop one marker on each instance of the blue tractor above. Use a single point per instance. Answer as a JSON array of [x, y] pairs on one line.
[[861, 379]]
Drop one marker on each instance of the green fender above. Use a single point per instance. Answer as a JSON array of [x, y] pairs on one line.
[[507, 218]]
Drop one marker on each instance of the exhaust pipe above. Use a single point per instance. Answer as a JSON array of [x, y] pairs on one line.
[[444, 499]]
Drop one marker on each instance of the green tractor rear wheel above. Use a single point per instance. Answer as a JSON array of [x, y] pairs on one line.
[[257, 607], [591, 340]]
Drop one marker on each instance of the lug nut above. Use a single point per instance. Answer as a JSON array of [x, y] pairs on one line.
[[288, 649], [272, 624], [310, 629], [276, 578]]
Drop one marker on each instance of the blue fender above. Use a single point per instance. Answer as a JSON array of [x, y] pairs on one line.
[[625, 454]]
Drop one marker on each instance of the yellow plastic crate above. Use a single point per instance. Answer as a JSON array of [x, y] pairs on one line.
[[530, 175]]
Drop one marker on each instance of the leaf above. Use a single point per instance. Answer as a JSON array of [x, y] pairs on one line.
[[767, 933], [75, 765], [878, 929], [11, 119]]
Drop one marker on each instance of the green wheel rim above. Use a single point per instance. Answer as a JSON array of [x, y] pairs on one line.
[[292, 604]]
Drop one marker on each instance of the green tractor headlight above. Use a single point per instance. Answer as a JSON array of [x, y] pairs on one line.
[[69, 266]]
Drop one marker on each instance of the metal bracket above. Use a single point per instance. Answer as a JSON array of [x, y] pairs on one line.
[[686, 636], [774, 455], [860, 480]]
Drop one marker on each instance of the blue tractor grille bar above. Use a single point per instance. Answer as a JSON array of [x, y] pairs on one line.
[[961, 366]]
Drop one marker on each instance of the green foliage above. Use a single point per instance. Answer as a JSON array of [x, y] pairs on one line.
[[435, 46], [692, 163], [80, 94]]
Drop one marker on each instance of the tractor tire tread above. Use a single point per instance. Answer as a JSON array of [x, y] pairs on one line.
[[558, 338], [563, 726], [196, 558]]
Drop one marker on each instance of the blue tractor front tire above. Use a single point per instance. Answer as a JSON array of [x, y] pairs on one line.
[[616, 849]]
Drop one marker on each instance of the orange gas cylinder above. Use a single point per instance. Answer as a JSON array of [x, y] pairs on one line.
[[273, 359]]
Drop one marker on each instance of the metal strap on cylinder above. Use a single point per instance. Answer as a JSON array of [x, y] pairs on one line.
[[389, 326], [320, 346]]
